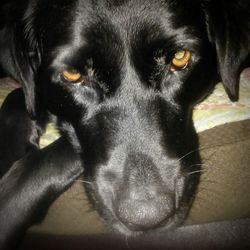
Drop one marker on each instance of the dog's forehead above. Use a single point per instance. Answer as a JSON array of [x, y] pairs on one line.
[[77, 17], [129, 16]]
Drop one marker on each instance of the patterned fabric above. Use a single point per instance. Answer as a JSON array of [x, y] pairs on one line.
[[217, 109]]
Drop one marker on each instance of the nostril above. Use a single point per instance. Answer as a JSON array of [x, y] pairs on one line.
[[145, 214], [110, 176]]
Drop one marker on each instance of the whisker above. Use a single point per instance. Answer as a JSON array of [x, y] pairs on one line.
[[197, 171], [189, 153], [78, 199], [87, 182], [199, 164]]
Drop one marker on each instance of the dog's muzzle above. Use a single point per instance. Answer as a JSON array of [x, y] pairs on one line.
[[142, 202]]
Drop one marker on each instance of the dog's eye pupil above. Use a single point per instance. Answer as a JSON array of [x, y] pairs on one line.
[[71, 76], [181, 59]]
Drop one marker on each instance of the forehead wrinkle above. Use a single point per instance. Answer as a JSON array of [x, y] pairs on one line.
[[60, 54], [83, 14], [126, 21], [90, 15], [121, 15]]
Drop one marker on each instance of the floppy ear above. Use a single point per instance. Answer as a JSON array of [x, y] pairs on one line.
[[228, 25], [19, 53]]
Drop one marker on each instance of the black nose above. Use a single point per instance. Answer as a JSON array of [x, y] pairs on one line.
[[143, 202], [144, 214]]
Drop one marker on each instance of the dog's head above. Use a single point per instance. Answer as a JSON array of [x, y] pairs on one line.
[[122, 78]]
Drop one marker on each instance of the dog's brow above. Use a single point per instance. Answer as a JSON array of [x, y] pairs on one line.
[[60, 54]]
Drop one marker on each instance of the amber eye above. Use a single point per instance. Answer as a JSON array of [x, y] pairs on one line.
[[181, 59], [72, 76]]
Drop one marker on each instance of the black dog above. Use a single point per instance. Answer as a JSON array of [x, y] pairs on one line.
[[120, 78]]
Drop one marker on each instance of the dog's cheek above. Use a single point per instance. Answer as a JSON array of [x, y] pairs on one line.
[[106, 189], [101, 193], [106, 178]]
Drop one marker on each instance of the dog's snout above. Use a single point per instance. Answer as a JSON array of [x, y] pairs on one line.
[[143, 202], [143, 213]]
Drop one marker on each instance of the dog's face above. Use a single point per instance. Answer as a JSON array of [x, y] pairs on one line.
[[112, 75], [122, 78]]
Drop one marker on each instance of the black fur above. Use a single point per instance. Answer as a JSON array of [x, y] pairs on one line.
[[130, 116]]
